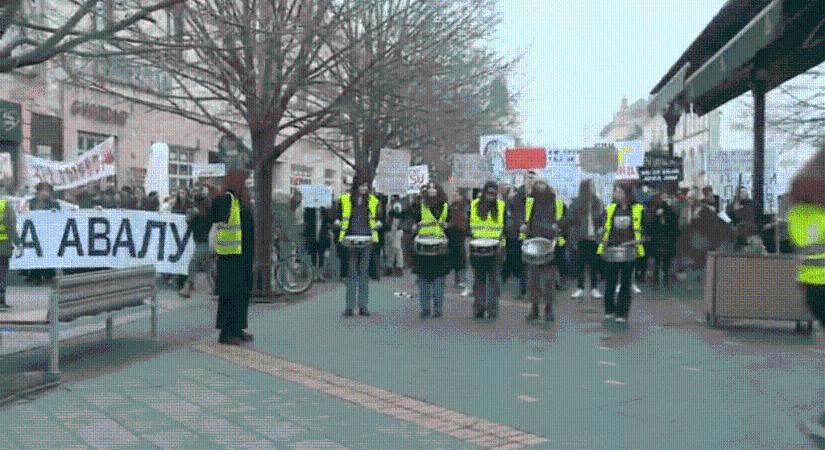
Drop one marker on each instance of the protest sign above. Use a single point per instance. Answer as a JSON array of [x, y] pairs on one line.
[[525, 158], [315, 196], [470, 171], [105, 238], [562, 172], [418, 177], [157, 177], [208, 170], [494, 148], [392, 172], [97, 163], [661, 174], [599, 159], [630, 153]]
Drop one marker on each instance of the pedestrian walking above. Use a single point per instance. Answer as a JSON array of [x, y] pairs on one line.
[[457, 234], [43, 201], [199, 221], [317, 236], [430, 262], [487, 221], [235, 249], [359, 218], [584, 222], [9, 241], [663, 229], [542, 219], [622, 226], [513, 265]]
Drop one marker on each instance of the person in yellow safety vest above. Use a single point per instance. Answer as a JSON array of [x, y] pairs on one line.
[[358, 217], [9, 244], [623, 224], [432, 221], [234, 246], [487, 222], [542, 217]]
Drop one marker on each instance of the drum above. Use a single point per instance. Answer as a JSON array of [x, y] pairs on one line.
[[429, 246], [619, 253], [538, 251], [480, 248], [357, 241]]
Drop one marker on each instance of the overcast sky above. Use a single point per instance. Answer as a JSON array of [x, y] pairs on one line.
[[583, 56]]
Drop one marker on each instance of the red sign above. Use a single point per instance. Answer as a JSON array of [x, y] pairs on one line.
[[526, 158]]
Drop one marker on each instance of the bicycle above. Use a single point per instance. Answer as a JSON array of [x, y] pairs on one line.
[[293, 273]]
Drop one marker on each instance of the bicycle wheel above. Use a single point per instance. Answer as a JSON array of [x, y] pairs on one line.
[[294, 275]]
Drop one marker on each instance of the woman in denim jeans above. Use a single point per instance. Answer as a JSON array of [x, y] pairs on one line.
[[432, 220]]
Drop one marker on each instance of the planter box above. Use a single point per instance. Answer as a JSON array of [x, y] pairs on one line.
[[761, 287]]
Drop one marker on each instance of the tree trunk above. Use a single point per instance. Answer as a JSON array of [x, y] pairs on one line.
[[262, 284]]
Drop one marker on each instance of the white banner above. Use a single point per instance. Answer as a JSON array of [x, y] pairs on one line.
[[493, 148], [107, 238], [157, 175], [392, 172], [200, 170], [92, 165], [470, 170], [418, 177], [316, 196]]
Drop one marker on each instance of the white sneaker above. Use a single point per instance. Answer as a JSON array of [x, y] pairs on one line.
[[636, 289], [465, 292], [609, 316], [617, 288], [620, 320], [578, 293], [595, 293]]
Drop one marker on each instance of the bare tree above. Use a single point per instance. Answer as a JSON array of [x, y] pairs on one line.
[[31, 34], [266, 67]]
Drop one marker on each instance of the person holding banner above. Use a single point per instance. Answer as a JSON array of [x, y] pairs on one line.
[[235, 248], [622, 228], [358, 218], [432, 222], [487, 225]]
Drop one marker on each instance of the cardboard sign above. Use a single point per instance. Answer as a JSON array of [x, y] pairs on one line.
[[392, 173], [315, 196], [418, 177], [208, 170], [526, 158], [470, 171], [494, 148], [661, 174]]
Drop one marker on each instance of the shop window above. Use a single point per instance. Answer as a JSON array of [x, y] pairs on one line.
[[87, 141], [299, 175], [180, 166]]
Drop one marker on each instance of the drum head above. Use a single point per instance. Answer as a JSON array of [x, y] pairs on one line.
[[484, 243]]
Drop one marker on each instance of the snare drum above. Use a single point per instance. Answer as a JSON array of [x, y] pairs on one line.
[[357, 241], [429, 246], [480, 248], [538, 251], [619, 253]]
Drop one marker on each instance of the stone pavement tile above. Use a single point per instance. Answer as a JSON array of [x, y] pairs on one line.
[[509, 447], [466, 433], [487, 441]]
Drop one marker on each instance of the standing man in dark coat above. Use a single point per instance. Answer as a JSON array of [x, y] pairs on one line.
[[317, 230], [234, 281]]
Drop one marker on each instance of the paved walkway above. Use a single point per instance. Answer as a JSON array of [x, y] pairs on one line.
[[313, 379]]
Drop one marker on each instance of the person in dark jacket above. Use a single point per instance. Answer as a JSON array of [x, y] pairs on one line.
[[43, 201], [584, 222], [513, 264], [317, 236], [432, 221], [663, 228], [234, 281], [200, 222], [541, 223], [457, 234]]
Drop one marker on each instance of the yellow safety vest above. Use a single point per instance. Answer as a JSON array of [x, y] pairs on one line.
[[489, 227], [806, 230], [528, 214], [428, 226], [228, 237], [346, 213], [4, 234], [637, 211]]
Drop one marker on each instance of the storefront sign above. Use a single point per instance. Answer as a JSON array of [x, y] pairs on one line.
[[99, 113], [208, 170], [10, 122], [95, 164], [108, 238], [661, 174]]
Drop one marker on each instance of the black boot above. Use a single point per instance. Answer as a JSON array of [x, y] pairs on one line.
[[347, 312], [548, 313], [364, 312], [479, 314], [3, 304]]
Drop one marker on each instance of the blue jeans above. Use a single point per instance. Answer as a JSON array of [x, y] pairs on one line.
[[431, 290], [358, 281]]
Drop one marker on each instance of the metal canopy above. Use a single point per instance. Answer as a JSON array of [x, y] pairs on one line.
[[659, 102]]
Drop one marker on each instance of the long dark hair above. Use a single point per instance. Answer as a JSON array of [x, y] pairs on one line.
[[483, 207], [435, 203], [585, 198]]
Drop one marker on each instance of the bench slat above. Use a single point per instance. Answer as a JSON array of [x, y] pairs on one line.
[[104, 303]]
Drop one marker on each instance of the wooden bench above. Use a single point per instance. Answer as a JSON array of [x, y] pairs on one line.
[[105, 293], [759, 287]]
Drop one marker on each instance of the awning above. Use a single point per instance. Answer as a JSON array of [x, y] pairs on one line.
[[659, 103], [760, 32]]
